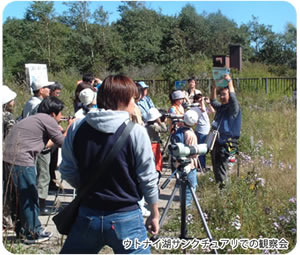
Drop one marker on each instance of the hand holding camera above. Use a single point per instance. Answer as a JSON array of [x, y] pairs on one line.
[[207, 100]]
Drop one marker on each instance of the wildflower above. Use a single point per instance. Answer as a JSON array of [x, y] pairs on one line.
[[281, 165], [252, 186], [293, 231], [292, 200], [284, 219], [189, 219], [210, 179], [258, 145], [236, 222], [292, 213], [260, 182], [276, 225], [246, 157]]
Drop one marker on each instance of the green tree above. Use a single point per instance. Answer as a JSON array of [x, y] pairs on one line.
[[39, 16], [15, 41], [222, 33], [140, 29], [259, 33], [289, 42], [81, 50], [195, 29]]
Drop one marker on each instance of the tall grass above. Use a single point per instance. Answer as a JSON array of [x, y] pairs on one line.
[[261, 202]]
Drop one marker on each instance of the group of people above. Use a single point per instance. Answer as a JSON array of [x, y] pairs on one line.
[[114, 209]]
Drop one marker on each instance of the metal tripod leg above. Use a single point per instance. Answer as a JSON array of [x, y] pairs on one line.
[[199, 164], [162, 219], [164, 214], [54, 201], [166, 144], [184, 183], [201, 215]]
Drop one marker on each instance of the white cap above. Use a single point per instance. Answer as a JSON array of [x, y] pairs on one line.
[[38, 84], [7, 94], [190, 118], [87, 96], [153, 114]]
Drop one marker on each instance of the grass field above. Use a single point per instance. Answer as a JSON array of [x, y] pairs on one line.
[[260, 204]]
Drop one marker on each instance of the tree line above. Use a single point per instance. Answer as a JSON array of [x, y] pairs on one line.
[[157, 45]]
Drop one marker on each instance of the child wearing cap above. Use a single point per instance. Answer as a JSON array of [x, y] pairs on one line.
[[190, 138], [155, 126], [88, 99]]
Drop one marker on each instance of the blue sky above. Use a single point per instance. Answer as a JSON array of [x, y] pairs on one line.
[[274, 13]]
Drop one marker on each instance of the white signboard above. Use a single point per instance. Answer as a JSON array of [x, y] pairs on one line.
[[36, 72]]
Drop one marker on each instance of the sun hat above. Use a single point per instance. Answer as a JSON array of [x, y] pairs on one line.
[[7, 94], [153, 114], [87, 96], [178, 94], [190, 118], [143, 84], [38, 84]]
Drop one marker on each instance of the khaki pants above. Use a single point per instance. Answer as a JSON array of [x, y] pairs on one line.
[[43, 174]]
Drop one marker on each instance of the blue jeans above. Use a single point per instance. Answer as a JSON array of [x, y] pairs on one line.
[[24, 179], [201, 139], [192, 177], [94, 229]]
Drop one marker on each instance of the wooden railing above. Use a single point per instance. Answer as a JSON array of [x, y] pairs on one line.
[[285, 86]]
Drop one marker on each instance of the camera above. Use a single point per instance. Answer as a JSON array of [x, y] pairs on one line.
[[179, 150], [188, 106], [67, 118], [173, 116]]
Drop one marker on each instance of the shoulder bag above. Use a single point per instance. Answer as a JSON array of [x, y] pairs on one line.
[[212, 136]]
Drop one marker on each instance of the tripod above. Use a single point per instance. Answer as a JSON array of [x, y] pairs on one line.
[[173, 131], [182, 183]]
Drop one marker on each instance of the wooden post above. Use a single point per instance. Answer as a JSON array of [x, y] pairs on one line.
[[153, 85], [266, 86], [209, 87]]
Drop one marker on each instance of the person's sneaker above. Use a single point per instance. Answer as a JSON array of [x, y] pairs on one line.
[[38, 237], [145, 212]]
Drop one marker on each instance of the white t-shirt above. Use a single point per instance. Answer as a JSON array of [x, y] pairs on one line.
[[203, 124]]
